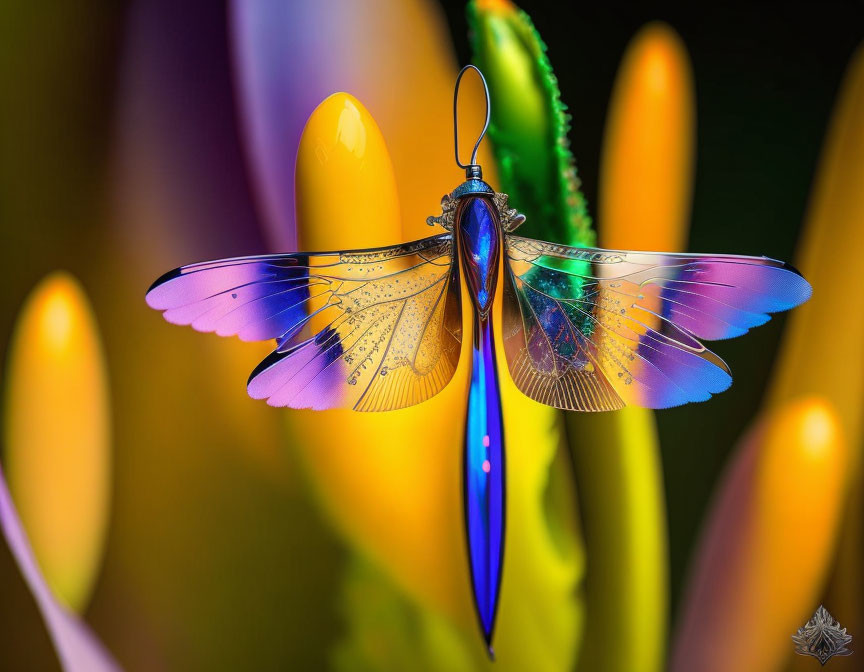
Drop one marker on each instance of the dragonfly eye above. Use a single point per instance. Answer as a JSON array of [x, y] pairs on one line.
[[515, 221]]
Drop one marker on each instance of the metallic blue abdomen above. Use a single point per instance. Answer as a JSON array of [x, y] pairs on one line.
[[480, 248]]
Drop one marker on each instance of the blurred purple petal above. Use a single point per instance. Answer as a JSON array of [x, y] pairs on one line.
[[77, 647], [394, 55], [181, 186], [282, 75]]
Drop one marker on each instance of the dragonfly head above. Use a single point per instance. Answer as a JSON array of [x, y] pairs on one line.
[[473, 172]]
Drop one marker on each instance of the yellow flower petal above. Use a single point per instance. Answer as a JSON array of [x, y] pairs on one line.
[[822, 352], [393, 492], [645, 190], [392, 482], [347, 180], [647, 160], [57, 435], [623, 510], [823, 345], [767, 544]]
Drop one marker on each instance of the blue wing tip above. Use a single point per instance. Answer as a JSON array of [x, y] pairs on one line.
[[801, 290]]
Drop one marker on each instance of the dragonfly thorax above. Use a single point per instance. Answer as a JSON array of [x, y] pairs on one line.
[[479, 232]]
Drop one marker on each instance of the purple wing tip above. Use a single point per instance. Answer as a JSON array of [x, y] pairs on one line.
[[155, 298], [257, 389]]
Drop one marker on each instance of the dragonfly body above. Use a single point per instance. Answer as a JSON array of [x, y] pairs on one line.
[[479, 241], [583, 329]]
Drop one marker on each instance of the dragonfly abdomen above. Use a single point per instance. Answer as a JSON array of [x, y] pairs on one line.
[[480, 250], [484, 478]]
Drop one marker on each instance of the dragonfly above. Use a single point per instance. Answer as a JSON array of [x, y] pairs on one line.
[[582, 329]]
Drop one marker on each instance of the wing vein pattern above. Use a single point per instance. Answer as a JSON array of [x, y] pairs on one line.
[[591, 330], [371, 330]]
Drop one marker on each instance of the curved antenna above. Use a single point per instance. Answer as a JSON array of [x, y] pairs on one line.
[[472, 170]]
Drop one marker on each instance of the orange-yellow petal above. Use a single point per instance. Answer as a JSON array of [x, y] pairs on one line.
[[620, 486], [822, 352], [392, 482], [647, 160], [393, 492], [394, 55], [645, 190], [346, 179], [57, 435], [768, 543]]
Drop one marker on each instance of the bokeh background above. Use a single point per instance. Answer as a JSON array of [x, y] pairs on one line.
[[178, 525]]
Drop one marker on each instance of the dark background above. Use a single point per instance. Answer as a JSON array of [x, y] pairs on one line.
[[766, 78]]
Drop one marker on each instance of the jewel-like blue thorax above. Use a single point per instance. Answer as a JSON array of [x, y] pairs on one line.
[[479, 233]]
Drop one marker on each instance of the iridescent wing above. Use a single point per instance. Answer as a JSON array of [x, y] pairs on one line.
[[372, 330], [590, 330]]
